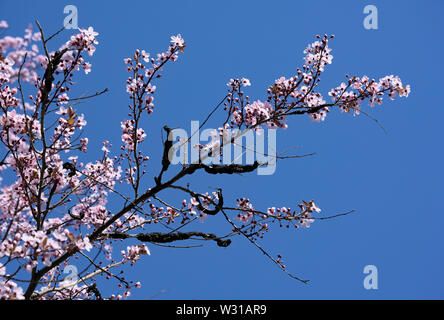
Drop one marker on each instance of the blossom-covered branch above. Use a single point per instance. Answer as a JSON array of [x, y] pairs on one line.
[[55, 208]]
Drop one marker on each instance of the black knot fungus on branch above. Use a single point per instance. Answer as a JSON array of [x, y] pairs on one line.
[[223, 168], [160, 237], [231, 168]]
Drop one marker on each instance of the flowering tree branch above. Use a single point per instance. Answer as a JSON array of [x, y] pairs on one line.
[[54, 209]]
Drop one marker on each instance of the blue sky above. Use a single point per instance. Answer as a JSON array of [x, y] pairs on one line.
[[393, 180]]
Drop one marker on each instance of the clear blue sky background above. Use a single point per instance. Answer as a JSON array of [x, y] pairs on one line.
[[394, 181]]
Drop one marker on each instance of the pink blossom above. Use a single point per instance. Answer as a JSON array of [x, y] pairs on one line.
[[177, 40], [84, 243], [245, 82]]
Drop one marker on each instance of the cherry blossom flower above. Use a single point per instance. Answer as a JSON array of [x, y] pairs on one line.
[[245, 82], [177, 41]]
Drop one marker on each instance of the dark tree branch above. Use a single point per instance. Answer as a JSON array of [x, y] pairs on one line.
[[93, 289], [200, 207], [165, 159], [159, 237], [220, 169]]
